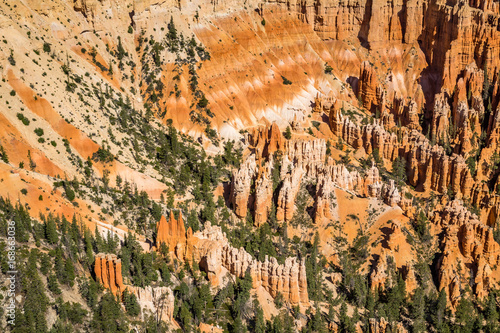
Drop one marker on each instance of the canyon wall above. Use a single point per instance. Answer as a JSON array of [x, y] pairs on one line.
[[301, 162], [157, 300], [211, 249], [469, 29], [470, 255]]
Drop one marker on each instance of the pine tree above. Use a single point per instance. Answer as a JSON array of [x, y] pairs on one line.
[[491, 313], [464, 313], [69, 273], [370, 304], [59, 265], [313, 271], [260, 324], [51, 231], [399, 170], [192, 220], [53, 285], [131, 305], [317, 320], [345, 323], [36, 302], [45, 264], [172, 31], [98, 241], [87, 240], [418, 310], [277, 326], [108, 317], [395, 299], [440, 311], [88, 289], [288, 133], [185, 317], [75, 230]]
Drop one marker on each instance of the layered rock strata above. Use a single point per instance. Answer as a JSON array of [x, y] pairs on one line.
[[157, 300], [302, 161], [469, 29], [468, 247], [211, 249], [427, 166], [108, 272], [170, 233]]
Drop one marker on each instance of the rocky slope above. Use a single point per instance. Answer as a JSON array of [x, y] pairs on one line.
[[323, 164]]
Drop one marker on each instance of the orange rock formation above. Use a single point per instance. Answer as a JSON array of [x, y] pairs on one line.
[[210, 248], [172, 233], [469, 248], [108, 272]]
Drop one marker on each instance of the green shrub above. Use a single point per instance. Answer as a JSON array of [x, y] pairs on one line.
[[288, 133], [22, 118], [328, 69], [39, 131], [11, 59], [70, 194], [286, 81], [103, 155], [3, 155], [203, 102], [46, 47]]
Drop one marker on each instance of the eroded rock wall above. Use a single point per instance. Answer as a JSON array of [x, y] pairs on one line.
[[211, 249], [469, 253], [108, 272]]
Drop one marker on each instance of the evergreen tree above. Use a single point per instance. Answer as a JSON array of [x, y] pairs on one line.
[[186, 317], [131, 305], [98, 242], [439, 319], [87, 240], [399, 170], [313, 271], [463, 314], [370, 304], [172, 31], [418, 310], [192, 220], [108, 317], [317, 320], [345, 323], [288, 133], [36, 302], [53, 285], [260, 324], [69, 273], [59, 264], [395, 299], [75, 231], [51, 231], [491, 313], [89, 290]]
